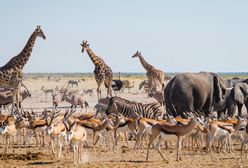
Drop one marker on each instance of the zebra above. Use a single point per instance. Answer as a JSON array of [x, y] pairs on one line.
[[73, 82], [100, 108], [135, 110]]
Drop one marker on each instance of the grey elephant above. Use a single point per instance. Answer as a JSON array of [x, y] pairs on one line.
[[238, 97], [195, 92], [223, 105]]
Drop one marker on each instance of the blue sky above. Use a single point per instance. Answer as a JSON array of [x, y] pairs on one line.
[[175, 36]]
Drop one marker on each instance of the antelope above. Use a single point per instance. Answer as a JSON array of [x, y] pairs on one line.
[[245, 140], [36, 125], [75, 99], [127, 84], [116, 124], [21, 123], [222, 131], [93, 124], [145, 126], [70, 92], [179, 130], [76, 135], [8, 130], [88, 91], [46, 91], [6, 96], [78, 117], [55, 129], [56, 99], [124, 125], [197, 135]]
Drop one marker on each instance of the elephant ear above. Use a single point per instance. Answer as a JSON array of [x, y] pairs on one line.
[[240, 90]]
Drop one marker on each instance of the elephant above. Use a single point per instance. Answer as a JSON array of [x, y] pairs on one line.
[[195, 92], [223, 105], [238, 97]]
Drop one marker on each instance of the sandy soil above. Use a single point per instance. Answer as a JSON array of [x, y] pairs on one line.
[[102, 156], [122, 156]]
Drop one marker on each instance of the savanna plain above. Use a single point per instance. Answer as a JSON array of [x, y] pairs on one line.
[[102, 155]]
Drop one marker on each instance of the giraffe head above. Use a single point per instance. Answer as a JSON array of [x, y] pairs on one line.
[[137, 54], [84, 45], [38, 32]]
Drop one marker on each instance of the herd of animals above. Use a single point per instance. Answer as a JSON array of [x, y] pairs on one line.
[[199, 109]]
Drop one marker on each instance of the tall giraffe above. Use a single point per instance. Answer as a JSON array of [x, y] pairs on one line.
[[102, 71], [11, 74], [154, 75]]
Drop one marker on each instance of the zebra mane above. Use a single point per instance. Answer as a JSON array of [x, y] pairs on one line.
[[134, 109], [122, 100]]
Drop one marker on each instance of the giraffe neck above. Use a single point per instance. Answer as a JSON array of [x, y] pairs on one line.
[[95, 59], [145, 64], [22, 58]]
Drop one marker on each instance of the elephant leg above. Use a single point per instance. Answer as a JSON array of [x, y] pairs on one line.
[[207, 107], [246, 105], [240, 109], [231, 108]]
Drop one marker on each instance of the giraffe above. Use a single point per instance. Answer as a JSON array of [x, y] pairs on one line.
[[154, 75], [11, 74], [102, 71]]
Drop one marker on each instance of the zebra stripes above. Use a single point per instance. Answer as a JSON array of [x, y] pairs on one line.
[[135, 110]]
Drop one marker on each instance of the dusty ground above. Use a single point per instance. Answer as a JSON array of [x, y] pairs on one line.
[[102, 156], [121, 157]]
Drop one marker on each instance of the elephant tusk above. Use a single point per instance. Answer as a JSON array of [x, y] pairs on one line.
[[229, 88]]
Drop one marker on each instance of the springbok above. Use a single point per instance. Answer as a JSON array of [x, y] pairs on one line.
[[8, 130], [223, 131], [76, 135], [95, 125], [55, 129], [37, 125], [179, 130]]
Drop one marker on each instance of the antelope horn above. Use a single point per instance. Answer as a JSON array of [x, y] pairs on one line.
[[45, 115], [66, 127], [65, 90], [72, 124]]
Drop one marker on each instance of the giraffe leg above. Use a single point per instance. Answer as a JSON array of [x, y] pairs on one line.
[[110, 91], [149, 86], [98, 90], [107, 84], [13, 100], [17, 99]]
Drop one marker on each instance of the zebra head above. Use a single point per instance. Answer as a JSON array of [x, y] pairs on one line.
[[112, 107]]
